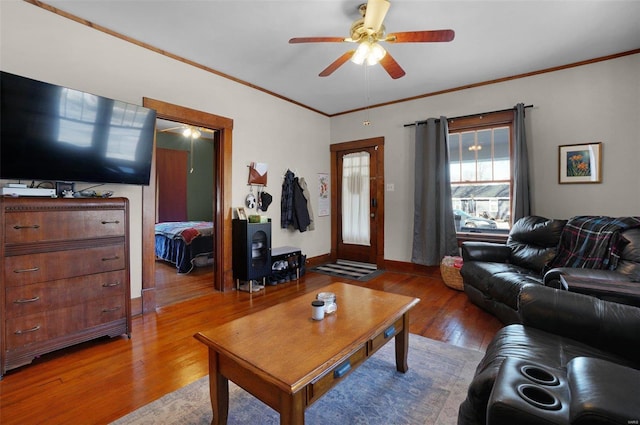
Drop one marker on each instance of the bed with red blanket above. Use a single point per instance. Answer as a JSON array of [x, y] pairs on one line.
[[186, 244]]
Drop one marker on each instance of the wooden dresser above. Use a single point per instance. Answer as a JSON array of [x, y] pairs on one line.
[[65, 274]]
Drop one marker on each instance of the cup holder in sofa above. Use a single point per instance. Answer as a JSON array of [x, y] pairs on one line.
[[539, 375], [526, 392], [539, 397]]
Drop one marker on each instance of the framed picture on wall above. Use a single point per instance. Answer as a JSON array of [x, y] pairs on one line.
[[240, 212], [581, 163]]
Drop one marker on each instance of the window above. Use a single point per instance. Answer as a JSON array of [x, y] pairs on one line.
[[481, 167]]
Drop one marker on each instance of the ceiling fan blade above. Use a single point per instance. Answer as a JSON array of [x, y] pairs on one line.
[[421, 36], [337, 64], [316, 40], [392, 67], [164, 130], [375, 13]]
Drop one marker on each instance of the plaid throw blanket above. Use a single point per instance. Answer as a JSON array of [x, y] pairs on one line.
[[185, 230], [592, 242]]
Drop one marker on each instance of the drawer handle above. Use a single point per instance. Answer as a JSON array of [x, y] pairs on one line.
[[342, 370], [389, 332], [26, 331], [115, 257], [26, 300], [110, 310], [18, 227], [110, 285], [110, 222], [33, 269]]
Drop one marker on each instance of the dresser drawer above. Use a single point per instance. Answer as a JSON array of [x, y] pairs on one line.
[[49, 226], [331, 378], [52, 324], [29, 299], [383, 337], [48, 266]]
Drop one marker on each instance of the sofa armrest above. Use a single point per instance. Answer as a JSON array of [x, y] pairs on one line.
[[605, 325], [485, 251], [552, 277]]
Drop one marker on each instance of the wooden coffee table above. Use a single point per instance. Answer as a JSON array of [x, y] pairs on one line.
[[288, 361]]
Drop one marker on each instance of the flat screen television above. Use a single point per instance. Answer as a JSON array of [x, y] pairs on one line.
[[54, 133]]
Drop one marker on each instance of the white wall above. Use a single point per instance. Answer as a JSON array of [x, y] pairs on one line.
[[41, 45], [599, 102]]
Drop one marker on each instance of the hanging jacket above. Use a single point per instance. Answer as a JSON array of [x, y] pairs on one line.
[[301, 218], [286, 202], [307, 195]]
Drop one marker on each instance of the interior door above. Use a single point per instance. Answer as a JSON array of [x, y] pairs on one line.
[[369, 251], [171, 180]]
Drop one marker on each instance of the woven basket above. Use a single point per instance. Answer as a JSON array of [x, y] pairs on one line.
[[451, 277]]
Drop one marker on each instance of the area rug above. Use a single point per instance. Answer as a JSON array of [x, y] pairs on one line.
[[349, 269], [374, 394]]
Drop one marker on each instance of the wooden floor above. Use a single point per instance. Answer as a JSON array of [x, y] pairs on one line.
[[100, 381], [172, 287]]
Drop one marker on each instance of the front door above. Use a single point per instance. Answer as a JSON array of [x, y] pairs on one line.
[[358, 170]]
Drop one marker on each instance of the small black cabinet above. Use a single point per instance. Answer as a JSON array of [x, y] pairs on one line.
[[251, 250]]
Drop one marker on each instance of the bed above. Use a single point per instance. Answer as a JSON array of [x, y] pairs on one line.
[[187, 244]]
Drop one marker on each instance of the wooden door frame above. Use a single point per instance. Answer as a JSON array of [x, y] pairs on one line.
[[222, 268], [379, 185]]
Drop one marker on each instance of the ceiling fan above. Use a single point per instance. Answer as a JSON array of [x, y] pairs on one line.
[[368, 32], [187, 131]]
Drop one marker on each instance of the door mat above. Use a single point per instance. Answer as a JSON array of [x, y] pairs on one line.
[[349, 270]]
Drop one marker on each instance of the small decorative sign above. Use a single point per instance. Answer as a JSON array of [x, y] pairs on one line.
[[580, 163], [324, 200]]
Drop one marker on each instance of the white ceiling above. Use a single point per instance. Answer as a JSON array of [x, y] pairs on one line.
[[248, 40]]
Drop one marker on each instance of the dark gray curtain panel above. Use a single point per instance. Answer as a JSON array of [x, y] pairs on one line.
[[521, 197], [434, 232]]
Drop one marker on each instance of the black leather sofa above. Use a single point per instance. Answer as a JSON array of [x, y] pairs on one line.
[[493, 273], [590, 346]]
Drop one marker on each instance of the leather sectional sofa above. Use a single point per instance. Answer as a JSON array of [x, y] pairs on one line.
[[493, 273], [564, 357], [572, 360]]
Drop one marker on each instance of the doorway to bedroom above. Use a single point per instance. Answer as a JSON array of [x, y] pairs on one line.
[[184, 211], [221, 277]]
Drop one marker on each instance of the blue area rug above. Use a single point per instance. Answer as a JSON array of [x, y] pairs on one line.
[[374, 394]]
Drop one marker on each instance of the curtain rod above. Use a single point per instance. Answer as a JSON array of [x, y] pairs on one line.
[[467, 116]]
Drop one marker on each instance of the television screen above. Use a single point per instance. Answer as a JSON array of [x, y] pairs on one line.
[[54, 133]]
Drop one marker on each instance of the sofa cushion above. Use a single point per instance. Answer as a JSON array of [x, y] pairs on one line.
[[533, 241], [506, 286], [629, 262], [481, 274], [600, 392]]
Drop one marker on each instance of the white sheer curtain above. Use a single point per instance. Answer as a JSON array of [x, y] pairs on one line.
[[355, 198]]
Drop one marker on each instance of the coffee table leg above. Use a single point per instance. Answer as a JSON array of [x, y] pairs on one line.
[[402, 345], [218, 391], [292, 409]]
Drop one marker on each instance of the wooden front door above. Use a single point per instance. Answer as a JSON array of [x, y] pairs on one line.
[[373, 251]]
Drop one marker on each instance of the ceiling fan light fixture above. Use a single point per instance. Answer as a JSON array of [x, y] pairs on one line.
[[362, 53], [372, 53], [376, 53], [191, 132]]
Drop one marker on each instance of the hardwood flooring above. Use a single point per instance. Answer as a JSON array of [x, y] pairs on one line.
[[100, 381], [172, 287]]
